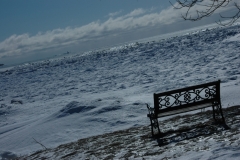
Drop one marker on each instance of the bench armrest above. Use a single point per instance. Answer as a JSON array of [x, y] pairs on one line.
[[150, 110]]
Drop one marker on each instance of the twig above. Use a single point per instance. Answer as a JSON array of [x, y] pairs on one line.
[[209, 8], [40, 143]]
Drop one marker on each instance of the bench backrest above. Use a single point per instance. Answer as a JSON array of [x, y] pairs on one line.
[[186, 97]]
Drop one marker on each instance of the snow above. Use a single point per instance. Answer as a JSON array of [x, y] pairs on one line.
[[63, 100], [233, 38], [198, 140]]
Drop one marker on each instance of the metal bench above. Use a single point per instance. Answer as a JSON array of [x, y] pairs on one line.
[[185, 100]]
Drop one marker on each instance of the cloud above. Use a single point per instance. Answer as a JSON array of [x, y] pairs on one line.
[[114, 25], [114, 14], [136, 12]]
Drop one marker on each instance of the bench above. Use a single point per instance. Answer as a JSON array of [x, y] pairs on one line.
[[185, 100]]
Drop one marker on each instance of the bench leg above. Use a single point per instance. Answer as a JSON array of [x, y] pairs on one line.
[[155, 127], [217, 112], [154, 122]]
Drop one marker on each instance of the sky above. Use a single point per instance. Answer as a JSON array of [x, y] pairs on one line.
[[36, 29]]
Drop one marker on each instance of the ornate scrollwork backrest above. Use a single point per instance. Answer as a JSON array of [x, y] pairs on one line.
[[186, 96]]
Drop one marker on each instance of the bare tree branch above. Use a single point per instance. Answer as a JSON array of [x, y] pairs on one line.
[[233, 18], [198, 9]]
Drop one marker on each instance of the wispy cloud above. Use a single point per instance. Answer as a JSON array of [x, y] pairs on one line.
[[136, 12], [114, 14], [26, 43]]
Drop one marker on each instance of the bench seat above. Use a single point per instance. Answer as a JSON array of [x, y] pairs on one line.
[[182, 110]]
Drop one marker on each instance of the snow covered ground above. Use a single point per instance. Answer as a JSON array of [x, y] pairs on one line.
[[198, 140], [62, 100]]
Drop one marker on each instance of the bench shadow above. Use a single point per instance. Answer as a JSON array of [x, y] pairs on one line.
[[174, 136]]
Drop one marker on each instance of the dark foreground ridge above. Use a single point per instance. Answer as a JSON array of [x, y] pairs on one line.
[[190, 133]]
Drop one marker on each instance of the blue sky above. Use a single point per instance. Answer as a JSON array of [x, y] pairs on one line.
[[35, 29]]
